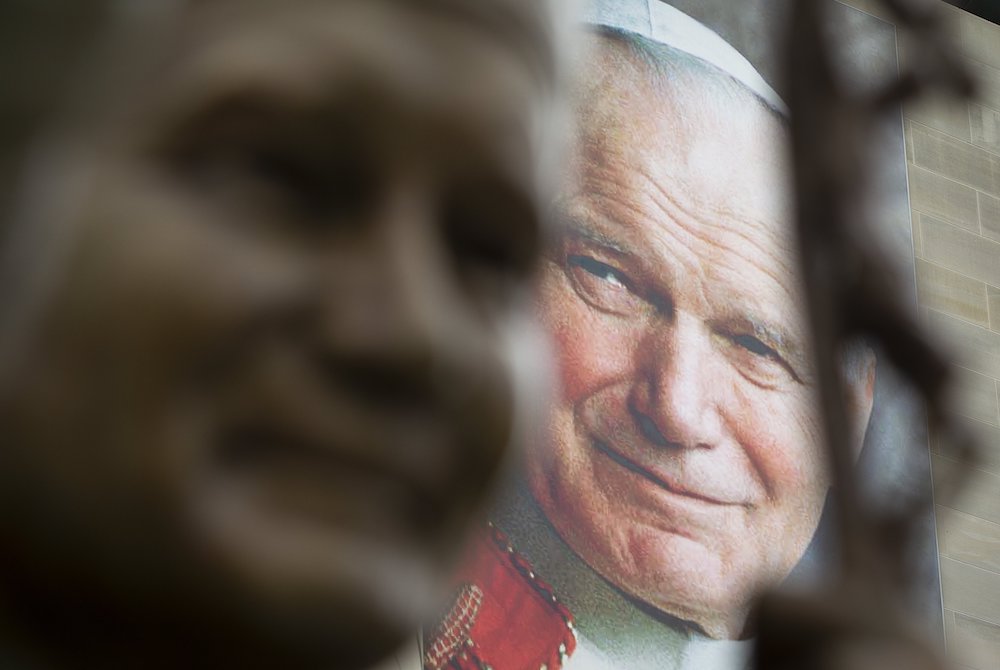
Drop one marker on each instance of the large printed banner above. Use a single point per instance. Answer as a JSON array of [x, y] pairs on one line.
[[681, 471]]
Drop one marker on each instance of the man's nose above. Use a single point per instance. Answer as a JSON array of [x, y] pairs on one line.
[[673, 397], [385, 322]]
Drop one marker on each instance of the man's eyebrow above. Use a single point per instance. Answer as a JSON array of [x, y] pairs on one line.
[[573, 226], [781, 339]]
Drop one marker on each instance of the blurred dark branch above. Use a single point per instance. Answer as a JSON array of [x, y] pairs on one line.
[[858, 619]]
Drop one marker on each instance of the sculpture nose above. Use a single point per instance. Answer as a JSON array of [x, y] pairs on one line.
[[673, 399], [385, 332]]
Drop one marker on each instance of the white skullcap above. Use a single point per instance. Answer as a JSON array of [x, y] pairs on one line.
[[658, 21]]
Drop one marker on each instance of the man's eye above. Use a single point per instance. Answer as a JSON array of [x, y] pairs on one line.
[[755, 346], [600, 270], [603, 286], [759, 362]]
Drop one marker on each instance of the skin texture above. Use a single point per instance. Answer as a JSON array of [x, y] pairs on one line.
[[267, 369], [683, 461]]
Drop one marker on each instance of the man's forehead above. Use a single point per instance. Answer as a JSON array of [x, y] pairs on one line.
[[691, 138], [658, 76]]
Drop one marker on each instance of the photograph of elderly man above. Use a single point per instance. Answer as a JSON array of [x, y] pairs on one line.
[[681, 473]]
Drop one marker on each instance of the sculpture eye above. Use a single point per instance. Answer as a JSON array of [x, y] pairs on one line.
[[493, 235], [259, 173], [266, 163], [603, 285]]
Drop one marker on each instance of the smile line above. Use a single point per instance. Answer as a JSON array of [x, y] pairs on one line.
[[621, 460]]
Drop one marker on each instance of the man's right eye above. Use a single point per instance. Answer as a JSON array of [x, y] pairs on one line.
[[604, 286]]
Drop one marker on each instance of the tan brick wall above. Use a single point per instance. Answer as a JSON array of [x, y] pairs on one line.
[[953, 165]]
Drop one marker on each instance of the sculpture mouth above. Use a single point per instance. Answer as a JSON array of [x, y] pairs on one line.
[[326, 481]]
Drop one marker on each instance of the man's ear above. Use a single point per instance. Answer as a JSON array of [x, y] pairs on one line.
[[859, 392]]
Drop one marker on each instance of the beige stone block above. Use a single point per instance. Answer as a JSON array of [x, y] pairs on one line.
[[978, 39], [949, 634], [950, 292], [993, 303], [988, 438], [961, 251], [978, 495], [907, 144], [968, 539], [952, 158], [972, 643], [989, 216], [985, 127], [943, 198], [918, 245], [975, 396], [945, 113], [971, 346], [970, 591], [987, 80], [949, 631], [873, 7]]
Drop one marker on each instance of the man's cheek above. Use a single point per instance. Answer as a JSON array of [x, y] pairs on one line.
[[787, 453], [590, 347]]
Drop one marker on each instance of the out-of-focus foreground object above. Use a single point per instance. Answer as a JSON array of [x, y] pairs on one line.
[[263, 341], [858, 620]]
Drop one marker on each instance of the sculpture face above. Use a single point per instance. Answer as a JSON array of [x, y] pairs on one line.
[[270, 375], [684, 461]]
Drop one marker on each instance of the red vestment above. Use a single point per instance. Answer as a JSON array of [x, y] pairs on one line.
[[504, 616]]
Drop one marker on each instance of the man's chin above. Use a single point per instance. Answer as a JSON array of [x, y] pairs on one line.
[[711, 612], [675, 577]]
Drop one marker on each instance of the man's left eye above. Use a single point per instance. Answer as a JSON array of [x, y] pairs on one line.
[[758, 361], [755, 346]]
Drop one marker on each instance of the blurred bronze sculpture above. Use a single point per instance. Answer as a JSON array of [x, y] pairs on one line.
[[856, 621], [263, 339]]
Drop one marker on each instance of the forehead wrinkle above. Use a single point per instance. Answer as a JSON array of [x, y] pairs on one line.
[[582, 227], [645, 234], [675, 212], [687, 220], [606, 149], [705, 219], [747, 314], [705, 214]]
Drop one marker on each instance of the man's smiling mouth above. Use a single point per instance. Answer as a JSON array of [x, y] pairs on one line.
[[604, 448]]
